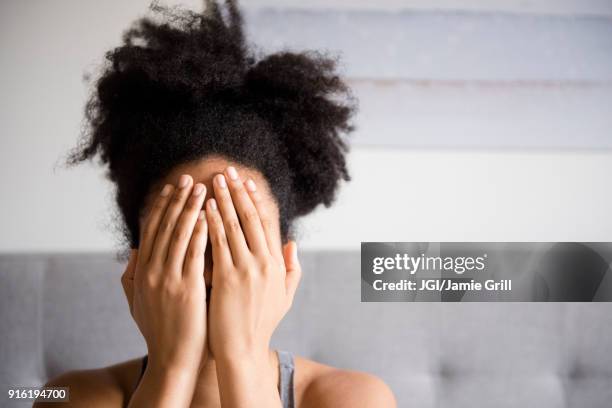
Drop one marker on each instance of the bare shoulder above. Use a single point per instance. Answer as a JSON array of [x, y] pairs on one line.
[[320, 385], [101, 387]]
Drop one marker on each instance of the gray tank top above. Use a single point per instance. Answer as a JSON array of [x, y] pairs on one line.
[[286, 367]]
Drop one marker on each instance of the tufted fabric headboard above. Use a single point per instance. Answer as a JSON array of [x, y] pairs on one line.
[[67, 311]]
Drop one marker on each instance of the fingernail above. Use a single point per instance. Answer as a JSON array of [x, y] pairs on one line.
[[197, 190], [221, 181], [183, 181], [166, 190], [250, 184], [201, 215], [295, 252], [232, 173], [213, 204]]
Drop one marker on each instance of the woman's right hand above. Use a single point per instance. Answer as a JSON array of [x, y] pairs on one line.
[[164, 281]]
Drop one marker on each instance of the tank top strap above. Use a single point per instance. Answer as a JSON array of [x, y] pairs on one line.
[[286, 368]]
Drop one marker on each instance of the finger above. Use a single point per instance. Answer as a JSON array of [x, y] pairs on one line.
[[151, 224], [181, 236], [218, 240], [194, 260], [127, 279], [266, 219], [233, 230], [293, 268], [170, 219], [244, 207]]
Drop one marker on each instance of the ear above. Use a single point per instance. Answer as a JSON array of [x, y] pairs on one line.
[[293, 268]]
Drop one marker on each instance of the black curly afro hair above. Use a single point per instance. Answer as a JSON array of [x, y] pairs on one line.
[[188, 86]]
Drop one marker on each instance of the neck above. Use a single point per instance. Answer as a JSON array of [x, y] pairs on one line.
[[207, 387]]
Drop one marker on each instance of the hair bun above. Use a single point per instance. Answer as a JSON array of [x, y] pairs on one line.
[[185, 85], [309, 107], [212, 53]]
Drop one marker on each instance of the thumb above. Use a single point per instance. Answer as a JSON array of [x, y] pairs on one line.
[[127, 279], [293, 268], [131, 266]]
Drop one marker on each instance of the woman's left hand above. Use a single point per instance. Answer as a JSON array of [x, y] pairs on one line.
[[254, 278]]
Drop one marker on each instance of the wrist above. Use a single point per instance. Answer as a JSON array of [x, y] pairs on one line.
[[170, 371], [251, 373], [162, 387], [245, 349], [174, 359], [245, 361]]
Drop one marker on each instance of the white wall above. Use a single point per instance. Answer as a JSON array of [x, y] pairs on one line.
[[547, 7], [397, 194], [432, 195]]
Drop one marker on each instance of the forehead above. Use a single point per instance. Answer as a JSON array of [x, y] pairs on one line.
[[204, 170]]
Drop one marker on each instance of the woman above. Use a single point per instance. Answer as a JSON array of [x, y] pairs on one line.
[[214, 152]]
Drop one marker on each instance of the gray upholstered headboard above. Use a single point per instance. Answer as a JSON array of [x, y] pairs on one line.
[[67, 311]]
